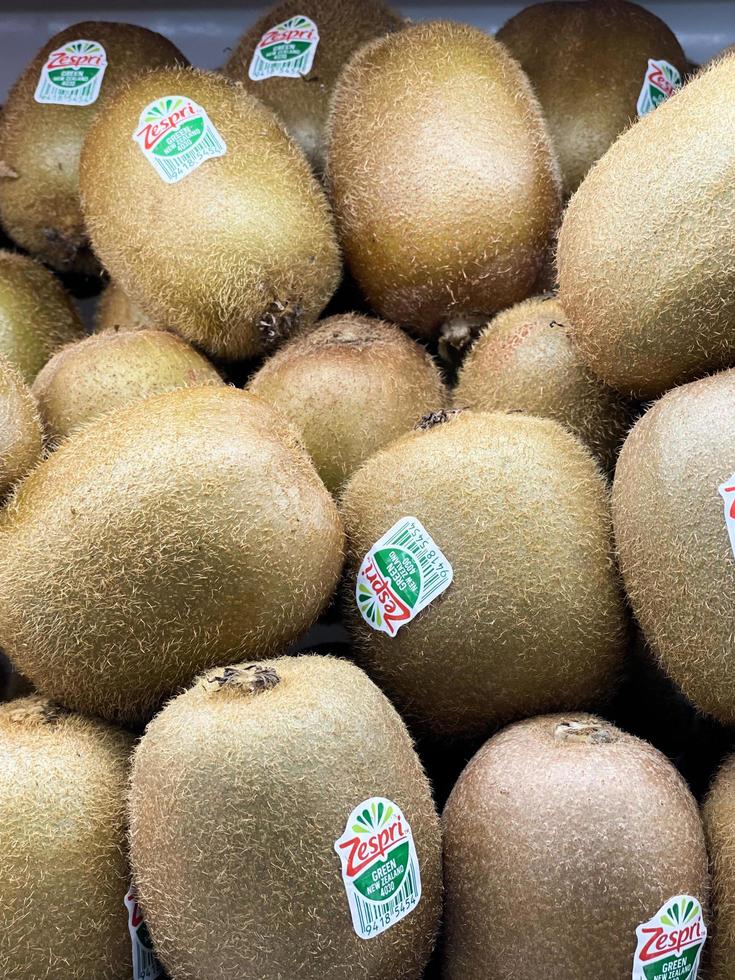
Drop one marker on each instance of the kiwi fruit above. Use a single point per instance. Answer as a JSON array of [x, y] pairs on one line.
[[236, 253], [719, 824], [63, 869], [442, 177], [675, 553], [107, 371], [587, 62], [116, 311], [525, 361], [40, 142], [36, 314], [21, 438], [350, 387], [533, 619], [302, 100], [554, 851], [157, 542], [241, 788], [644, 250]]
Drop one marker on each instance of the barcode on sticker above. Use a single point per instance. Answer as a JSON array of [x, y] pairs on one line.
[[145, 963], [372, 918]]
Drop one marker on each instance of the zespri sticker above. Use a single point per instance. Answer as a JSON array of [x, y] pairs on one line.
[[380, 869], [145, 964], [72, 75], [176, 136], [660, 81], [286, 50], [670, 944], [727, 492], [400, 575]]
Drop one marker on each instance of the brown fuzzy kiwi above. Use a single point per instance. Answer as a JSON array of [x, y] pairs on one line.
[[350, 387], [561, 837], [21, 437], [63, 868], [37, 316], [534, 617], [116, 311], [239, 791], [442, 176], [675, 553], [107, 371], [303, 103], [236, 254], [525, 361], [587, 62], [719, 824], [159, 541], [40, 143], [645, 268]]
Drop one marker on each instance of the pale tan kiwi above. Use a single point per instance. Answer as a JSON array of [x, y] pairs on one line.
[[40, 143], [644, 250], [350, 387], [107, 371], [587, 62], [719, 824], [561, 837], [36, 314], [442, 176], [675, 552], [303, 103], [116, 311], [158, 541], [525, 361], [63, 866], [21, 438], [237, 253], [533, 619], [240, 789]]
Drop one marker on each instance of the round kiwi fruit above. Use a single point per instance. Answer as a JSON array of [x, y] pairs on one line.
[[107, 371], [241, 789], [243, 250], [21, 437], [587, 62], [442, 177], [302, 100], [533, 619], [525, 361], [719, 824], [116, 311], [158, 541], [40, 142], [561, 837], [350, 387], [63, 870], [645, 272]]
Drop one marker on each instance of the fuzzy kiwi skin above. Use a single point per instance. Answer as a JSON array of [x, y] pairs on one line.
[[303, 103], [534, 618], [554, 851], [37, 315], [242, 250], [239, 789], [525, 361], [441, 174], [350, 387], [21, 436], [40, 144], [158, 541], [719, 824], [644, 255], [116, 311], [107, 371], [63, 866], [598, 45]]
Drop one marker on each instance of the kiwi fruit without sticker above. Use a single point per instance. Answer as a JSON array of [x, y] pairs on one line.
[[21, 439]]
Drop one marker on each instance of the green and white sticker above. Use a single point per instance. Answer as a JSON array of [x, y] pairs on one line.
[[400, 575], [145, 964], [72, 75], [176, 136], [380, 869], [286, 50], [670, 944], [660, 81]]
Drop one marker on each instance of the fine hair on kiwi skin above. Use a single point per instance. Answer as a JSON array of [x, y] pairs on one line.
[[303, 103], [271, 757], [718, 814], [21, 435], [350, 386], [63, 866], [553, 828]]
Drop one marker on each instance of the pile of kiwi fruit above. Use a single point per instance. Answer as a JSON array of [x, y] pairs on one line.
[[367, 501]]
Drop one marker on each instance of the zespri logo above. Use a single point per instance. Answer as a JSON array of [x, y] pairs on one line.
[[72, 75], [286, 50], [176, 136], [145, 963], [670, 944], [380, 869], [659, 83]]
